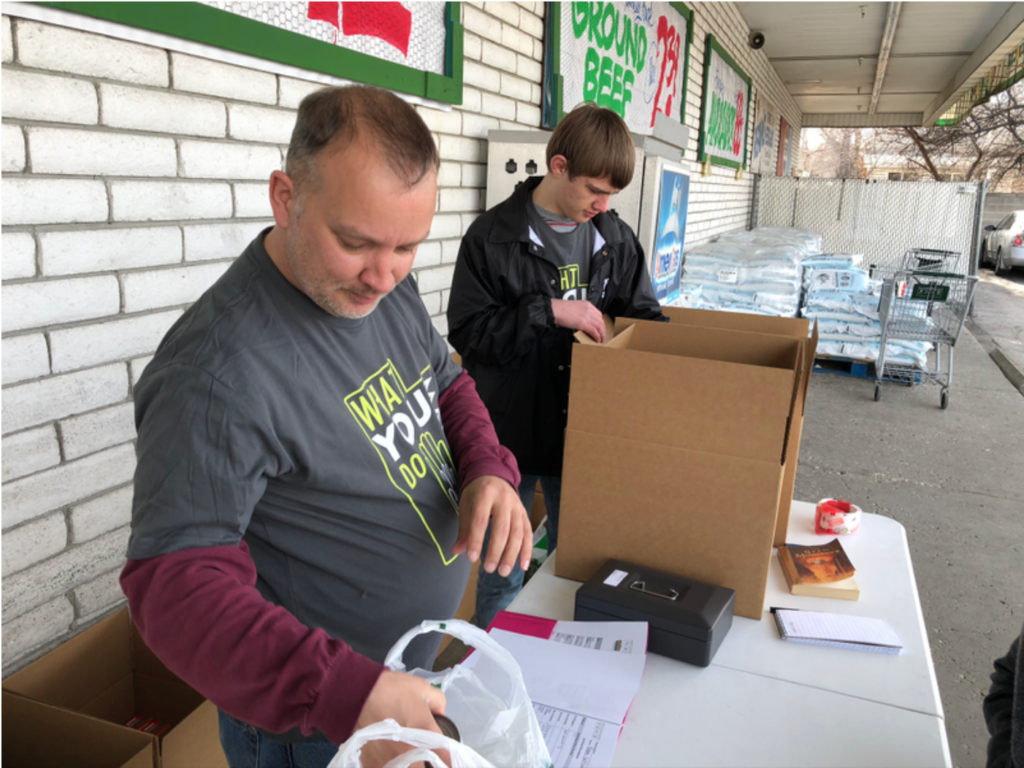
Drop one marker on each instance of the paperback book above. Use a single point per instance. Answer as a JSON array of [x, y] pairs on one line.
[[819, 571]]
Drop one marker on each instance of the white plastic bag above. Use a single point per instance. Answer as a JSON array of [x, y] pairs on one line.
[[426, 744], [495, 719]]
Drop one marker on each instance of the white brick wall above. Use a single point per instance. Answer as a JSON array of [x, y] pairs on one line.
[[8, 41], [252, 201], [99, 595], [215, 79], [204, 242], [162, 112], [30, 451], [76, 565], [91, 432], [19, 255], [52, 201], [33, 96], [25, 357], [102, 514], [52, 489], [88, 345], [169, 200], [85, 251], [261, 123], [48, 302], [169, 287], [29, 405], [228, 160], [133, 176], [100, 153], [43, 46], [34, 542], [37, 627], [13, 149]]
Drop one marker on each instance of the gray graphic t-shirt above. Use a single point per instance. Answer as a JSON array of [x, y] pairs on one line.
[[568, 244], [316, 439]]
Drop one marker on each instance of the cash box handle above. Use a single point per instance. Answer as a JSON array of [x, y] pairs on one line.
[[641, 586]]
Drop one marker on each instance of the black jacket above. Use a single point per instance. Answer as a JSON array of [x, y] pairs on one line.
[[1004, 709], [500, 321]]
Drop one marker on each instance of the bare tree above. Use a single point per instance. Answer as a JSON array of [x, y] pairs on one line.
[[987, 144], [839, 155]]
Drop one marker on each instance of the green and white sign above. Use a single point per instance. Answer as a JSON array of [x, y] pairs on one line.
[[413, 48], [725, 111], [630, 57]]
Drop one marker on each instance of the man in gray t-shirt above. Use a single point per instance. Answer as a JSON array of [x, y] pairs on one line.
[[311, 464], [569, 244]]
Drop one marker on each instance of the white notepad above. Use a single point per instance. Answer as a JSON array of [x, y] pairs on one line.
[[837, 630]]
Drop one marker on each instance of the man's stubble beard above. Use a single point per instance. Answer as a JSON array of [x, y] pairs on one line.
[[319, 291]]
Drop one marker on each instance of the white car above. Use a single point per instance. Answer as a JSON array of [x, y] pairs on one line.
[[1004, 245]]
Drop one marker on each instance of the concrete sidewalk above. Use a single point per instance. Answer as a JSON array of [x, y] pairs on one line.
[[953, 478], [997, 321]]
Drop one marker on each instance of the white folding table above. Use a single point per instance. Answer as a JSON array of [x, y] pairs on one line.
[[765, 702]]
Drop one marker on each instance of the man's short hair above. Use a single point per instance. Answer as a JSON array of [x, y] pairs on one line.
[[596, 143], [334, 116]]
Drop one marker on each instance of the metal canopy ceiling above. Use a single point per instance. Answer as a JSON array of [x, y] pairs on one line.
[[883, 64]]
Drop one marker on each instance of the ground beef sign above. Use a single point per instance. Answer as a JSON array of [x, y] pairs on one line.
[[630, 57]]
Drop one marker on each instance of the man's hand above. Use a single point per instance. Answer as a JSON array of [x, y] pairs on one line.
[[579, 316], [409, 700], [490, 499]]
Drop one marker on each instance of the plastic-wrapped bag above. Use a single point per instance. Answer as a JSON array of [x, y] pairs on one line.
[[425, 743], [495, 719]]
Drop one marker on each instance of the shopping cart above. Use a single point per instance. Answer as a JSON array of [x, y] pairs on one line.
[[923, 305], [930, 260]]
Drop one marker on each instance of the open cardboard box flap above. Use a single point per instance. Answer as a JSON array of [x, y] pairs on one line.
[[670, 386], [108, 672], [40, 735]]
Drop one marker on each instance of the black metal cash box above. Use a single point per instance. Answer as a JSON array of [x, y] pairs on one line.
[[688, 619]]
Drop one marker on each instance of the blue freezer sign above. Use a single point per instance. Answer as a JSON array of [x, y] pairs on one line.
[[671, 229]]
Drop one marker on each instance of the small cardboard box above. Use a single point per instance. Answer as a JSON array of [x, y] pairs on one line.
[[108, 673], [40, 736], [687, 620], [676, 451], [787, 327]]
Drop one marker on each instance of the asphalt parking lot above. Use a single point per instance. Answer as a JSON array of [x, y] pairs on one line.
[[954, 479]]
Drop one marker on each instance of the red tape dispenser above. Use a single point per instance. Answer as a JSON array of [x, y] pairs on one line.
[[837, 516]]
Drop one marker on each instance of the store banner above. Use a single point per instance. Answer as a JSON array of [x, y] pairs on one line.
[[726, 109], [766, 129], [785, 162], [629, 57]]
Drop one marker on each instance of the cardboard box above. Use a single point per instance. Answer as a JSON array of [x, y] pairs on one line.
[[676, 452], [108, 673], [41, 736], [787, 327]]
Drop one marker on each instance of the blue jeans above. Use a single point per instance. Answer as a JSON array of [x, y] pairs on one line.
[[494, 592], [245, 747]]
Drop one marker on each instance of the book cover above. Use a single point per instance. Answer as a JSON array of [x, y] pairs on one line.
[[819, 571]]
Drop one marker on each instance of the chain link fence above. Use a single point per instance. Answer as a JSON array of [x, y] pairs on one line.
[[880, 219]]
